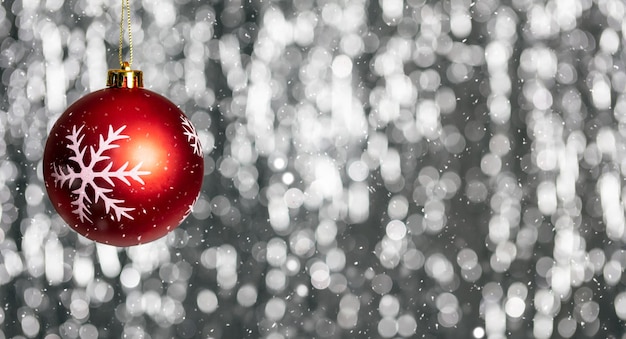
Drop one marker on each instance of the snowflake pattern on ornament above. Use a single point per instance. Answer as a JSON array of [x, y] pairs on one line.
[[90, 178], [190, 209], [192, 136]]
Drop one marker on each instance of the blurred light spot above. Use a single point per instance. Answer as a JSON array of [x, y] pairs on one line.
[[53, 252], [288, 178], [302, 244], [320, 275], [325, 232], [389, 306], [358, 202], [13, 263], [83, 270], [292, 265], [277, 162], [589, 311], [338, 283], [543, 326], [460, 24], [478, 332], [413, 259], [515, 307], [499, 229], [499, 109], [108, 259], [495, 320], [499, 145], [302, 290], [492, 291], [382, 284], [325, 328], [33, 297], [601, 92], [476, 191], [609, 41], [387, 327], [452, 139], [390, 166], [447, 304], [247, 295], [546, 197], [30, 326], [279, 215], [398, 207], [33, 194], [620, 305], [545, 302], [491, 164], [275, 309], [612, 272], [566, 327], [342, 66], [276, 252], [439, 268], [358, 171], [87, 331], [396, 230], [467, 258], [294, 198], [427, 119], [226, 265], [612, 210], [164, 14], [275, 280], [130, 277], [207, 301], [202, 208], [100, 291], [335, 259], [407, 325], [79, 309]]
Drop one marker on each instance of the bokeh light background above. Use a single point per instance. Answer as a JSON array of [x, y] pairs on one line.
[[374, 169]]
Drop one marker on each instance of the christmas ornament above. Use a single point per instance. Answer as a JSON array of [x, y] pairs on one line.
[[123, 165]]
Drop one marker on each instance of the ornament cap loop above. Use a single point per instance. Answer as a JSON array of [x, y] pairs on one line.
[[125, 77]]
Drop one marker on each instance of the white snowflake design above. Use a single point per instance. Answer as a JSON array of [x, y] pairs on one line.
[[190, 209], [90, 178], [192, 136]]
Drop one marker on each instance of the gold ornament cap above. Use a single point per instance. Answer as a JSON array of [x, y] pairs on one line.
[[125, 77]]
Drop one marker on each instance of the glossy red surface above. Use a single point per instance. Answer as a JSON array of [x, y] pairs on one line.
[[123, 166]]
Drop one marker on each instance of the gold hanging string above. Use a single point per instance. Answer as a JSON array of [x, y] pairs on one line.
[[125, 77], [125, 7]]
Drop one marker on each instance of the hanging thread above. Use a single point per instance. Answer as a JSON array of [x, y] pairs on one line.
[[125, 77], [125, 8]]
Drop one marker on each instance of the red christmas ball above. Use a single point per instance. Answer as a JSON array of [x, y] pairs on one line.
[[123, 165]]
